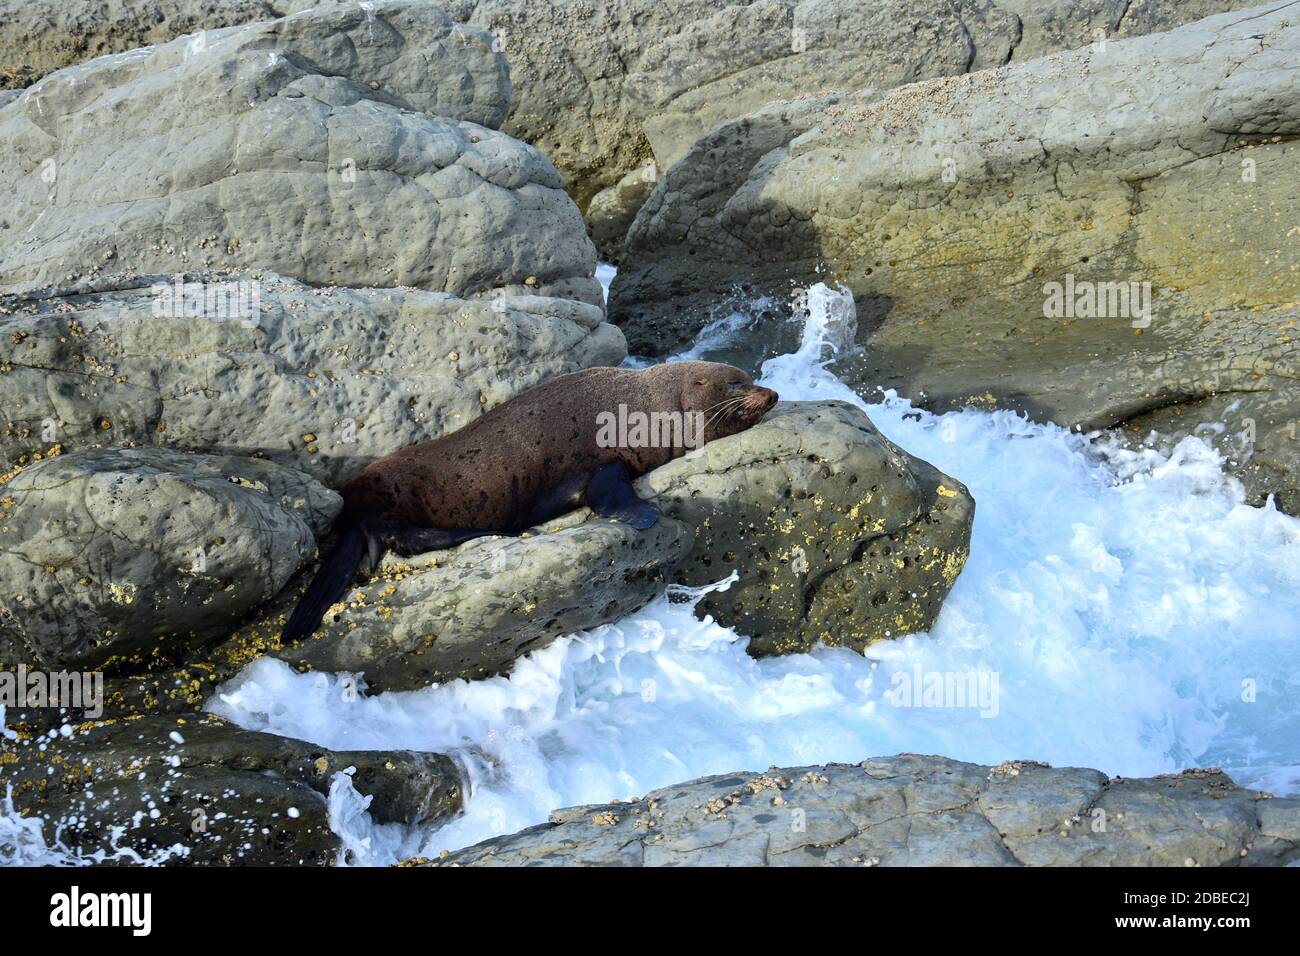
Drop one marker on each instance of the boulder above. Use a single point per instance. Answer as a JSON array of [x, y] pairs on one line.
[[471, 612], [612, 211], [605, 86], [962, 212], [116, 557], [836, 535], [911, 810], [198, 790], [739, 58], [40, 36], [344, 145], [320, 380]]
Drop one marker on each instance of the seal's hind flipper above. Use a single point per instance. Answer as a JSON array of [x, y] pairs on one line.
[[610, 493], [408, 541], [352, 550]]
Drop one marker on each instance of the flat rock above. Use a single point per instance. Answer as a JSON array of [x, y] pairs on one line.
[[198, 790], [344, 145], [322, 380], [949, 206], [113, 556], [911, 810]]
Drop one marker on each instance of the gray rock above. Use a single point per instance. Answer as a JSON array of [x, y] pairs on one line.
[[472, 612], [603, 86], [740, 58], [113, 557], [837, 536], [911, 810], [340, 146], [321, 380], [612, 211], [198, 790], [569, 65], [947, 206], [40, 36]]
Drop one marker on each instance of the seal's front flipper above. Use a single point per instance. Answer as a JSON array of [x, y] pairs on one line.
[[610, 493]]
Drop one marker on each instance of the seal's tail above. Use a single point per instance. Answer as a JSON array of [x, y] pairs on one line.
[[336, 572]]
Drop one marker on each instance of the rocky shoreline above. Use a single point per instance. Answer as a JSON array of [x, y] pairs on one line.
[[911, 810]]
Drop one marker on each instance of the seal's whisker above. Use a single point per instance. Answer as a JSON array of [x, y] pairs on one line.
[[716, 404], [728, 407], [725, 407]]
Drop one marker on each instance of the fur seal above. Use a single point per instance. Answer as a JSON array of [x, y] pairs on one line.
[[576, 439]]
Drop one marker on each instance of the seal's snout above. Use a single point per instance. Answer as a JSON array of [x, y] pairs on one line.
[[769, 397]]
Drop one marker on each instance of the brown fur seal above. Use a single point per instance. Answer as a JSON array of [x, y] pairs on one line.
[[576, 439]]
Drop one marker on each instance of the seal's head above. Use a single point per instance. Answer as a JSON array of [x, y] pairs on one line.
[[724, 395]]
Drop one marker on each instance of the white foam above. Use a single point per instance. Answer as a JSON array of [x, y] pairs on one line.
[[605, 276]]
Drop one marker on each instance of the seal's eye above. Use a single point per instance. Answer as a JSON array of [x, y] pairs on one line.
[[738, 384]]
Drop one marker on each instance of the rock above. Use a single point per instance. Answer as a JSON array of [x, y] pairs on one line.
[[40, 36], [603, 86], [198, 790], [740, 58], [950, 207], [344, 145], [473, 611], [569, 66], [612, 210], [115, 557], [836, 534], [911, 810], [321, 380]]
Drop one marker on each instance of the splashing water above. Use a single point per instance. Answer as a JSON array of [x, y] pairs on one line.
[[1136, 614]]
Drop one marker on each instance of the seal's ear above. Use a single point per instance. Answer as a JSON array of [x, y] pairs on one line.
[[695, 389]]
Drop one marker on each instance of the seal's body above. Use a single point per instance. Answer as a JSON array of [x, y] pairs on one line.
[[542, 453]]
